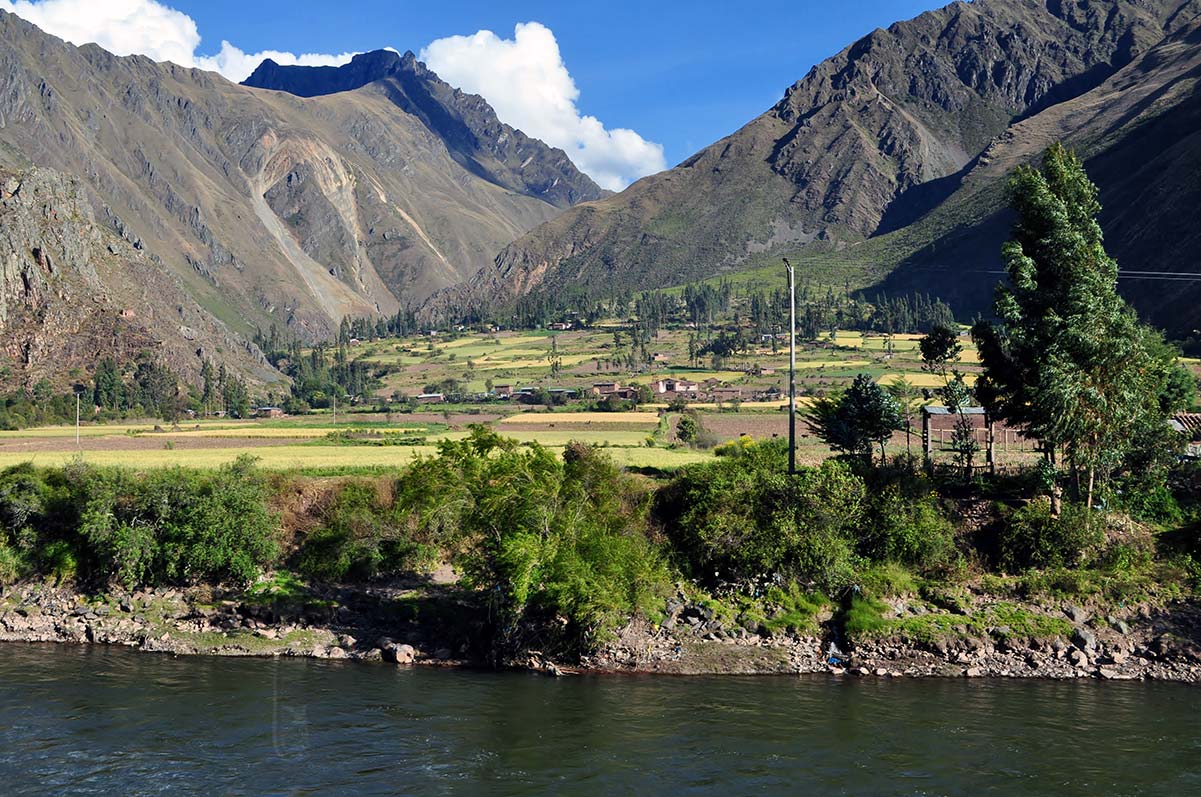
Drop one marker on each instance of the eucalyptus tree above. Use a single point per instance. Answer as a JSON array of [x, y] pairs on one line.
[[1069, 362]]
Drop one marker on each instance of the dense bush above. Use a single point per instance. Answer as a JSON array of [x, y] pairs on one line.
[[539, 536], [905, 522], [363, 535], [547, 536], [741, 517], [1031, 537], [1150, 500], [166, 527]]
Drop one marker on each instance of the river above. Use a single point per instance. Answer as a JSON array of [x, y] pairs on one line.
[[94, 720]]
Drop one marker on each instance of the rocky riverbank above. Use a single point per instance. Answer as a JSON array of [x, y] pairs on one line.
[[403, 626], [1145, 641], [364, 625]]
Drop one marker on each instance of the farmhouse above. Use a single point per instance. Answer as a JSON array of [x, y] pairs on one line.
[[503, 391], [679, 386], [268, 412], [431, 398], [605, 388]]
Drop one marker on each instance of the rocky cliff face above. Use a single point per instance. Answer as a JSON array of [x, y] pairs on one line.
[[866, 142], [465, 122], [1140, 135], [269, 207], [72, 292]]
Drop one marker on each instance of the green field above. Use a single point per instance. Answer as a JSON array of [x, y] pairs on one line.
[[576, 359], [368, 439]]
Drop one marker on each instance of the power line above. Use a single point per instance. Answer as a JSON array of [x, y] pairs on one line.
[[1163, 276]]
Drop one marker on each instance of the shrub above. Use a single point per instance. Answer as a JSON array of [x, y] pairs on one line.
[[362, 536], [908, 530], [1151, 501], [1032, 538], [177, 526], [742, 517]]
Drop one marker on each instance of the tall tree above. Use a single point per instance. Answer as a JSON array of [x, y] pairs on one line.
[[1069, 363]]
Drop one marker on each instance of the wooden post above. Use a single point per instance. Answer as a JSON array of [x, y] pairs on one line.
[[992, 445], [927, 438]]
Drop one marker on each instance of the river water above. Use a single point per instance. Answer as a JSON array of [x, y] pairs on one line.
[[93, 720]]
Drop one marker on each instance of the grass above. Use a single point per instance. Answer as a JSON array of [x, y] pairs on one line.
[[651, 419], [327, 458], [867, 618]]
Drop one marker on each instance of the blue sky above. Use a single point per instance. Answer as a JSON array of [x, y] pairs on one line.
[[682, 74], [625, 87]]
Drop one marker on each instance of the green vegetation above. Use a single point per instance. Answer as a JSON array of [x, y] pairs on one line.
[[1070, 363], [530, 522], [109, 525]]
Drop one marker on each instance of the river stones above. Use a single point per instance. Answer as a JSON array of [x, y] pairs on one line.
[[397, 652]]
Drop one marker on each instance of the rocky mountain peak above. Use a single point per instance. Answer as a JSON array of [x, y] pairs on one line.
[[465, 123]]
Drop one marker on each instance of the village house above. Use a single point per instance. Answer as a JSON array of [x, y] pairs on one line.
[[431, 398], [1189, 425], [677, 386], [559, 326], [605, 388], [503, 391], [268, 412]]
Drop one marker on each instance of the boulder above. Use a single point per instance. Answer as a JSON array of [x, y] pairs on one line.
[[1084, 639], [399, 653]]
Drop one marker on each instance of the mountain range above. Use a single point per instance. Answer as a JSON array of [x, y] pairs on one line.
[[208, 210], [873, 163], [265, 207]]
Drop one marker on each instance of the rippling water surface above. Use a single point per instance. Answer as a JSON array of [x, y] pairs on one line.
[[107, 721]]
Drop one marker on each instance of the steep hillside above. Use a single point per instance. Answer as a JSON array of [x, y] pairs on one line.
[[271, 208], [72, 293], [865, 143], [468, 126], [1140, 133]]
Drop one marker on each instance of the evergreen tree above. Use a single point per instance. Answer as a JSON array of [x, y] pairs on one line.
[[860, 419], [1070, 363]]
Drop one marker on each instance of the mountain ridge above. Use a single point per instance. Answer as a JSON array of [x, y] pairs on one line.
[[466, 122], [263, 207], [870, 138]]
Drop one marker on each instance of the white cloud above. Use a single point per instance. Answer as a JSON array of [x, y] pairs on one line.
[[123, 27], [525, 80], [149, 28]]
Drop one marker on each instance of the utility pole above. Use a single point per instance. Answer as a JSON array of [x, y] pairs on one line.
[[77, 419], [335, 400], [791, 367]]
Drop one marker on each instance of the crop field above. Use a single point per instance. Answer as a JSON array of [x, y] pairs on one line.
[[369, 438], [575, 359]]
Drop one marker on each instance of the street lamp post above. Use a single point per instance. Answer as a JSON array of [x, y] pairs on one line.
[[791, 367]]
